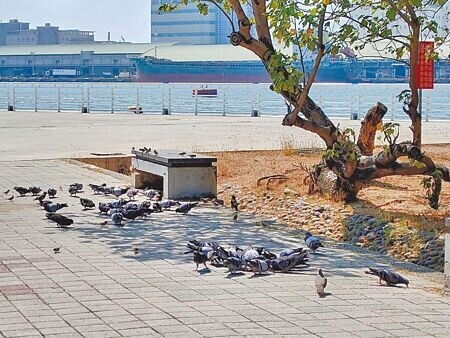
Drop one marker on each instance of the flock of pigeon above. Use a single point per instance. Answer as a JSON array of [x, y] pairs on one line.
[[259, 260], [119, 210]]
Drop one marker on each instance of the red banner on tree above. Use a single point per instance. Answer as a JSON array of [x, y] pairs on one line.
[[425, 66]]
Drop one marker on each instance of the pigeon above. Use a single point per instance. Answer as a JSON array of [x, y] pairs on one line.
[[263, 252], [182, 153], [200, 258], [87, 203], [117, 218], [259, 266], [54, 207], [41, 197], [73, 190], [186, 207], [249, 254], [11, 198], [150, 193], [132, 193], [312, 242], [51, 192], [155, 152], [117, 191], [234, 203], [192, 155], [56, 250], [133, 214], [233, 264], [104, 207], [131, 206], [218, 201], [288, 252], [288, 263], [97, 189], [79, 186], [117, 203], [7, 191], [21, 190], [34, 190], [235, 217], [390, 277], [136, 250], [60, 220], [321, 283], [102, 224], [167, 204]]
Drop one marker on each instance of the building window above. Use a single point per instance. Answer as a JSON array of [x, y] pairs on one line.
[[57, 62], [85, 62]]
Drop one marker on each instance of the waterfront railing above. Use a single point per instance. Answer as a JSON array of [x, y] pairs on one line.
[[347, 101]]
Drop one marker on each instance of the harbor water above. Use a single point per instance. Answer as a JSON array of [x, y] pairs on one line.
[[337, 100]]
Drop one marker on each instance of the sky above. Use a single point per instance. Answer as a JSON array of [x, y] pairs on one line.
[[127, 18]]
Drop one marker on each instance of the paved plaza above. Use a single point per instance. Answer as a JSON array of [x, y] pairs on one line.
[[97, 287], [49, 135]]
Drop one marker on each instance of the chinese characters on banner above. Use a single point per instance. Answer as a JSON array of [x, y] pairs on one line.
[[425, 66]]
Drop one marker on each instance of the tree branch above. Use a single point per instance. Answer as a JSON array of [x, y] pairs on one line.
[[325, 133], [366, 138], [262, 27]]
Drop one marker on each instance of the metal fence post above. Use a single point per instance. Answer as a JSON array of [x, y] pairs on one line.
[[426, 108], [14, 98], [258, 100], [196, 102], [392, 108], [88, 100], [112, 100], [223, 103], [59, 99], [169, 104], [137, 101], [35, 98], [359, 106], [82, 99]]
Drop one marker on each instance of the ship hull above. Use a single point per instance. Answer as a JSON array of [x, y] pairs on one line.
[[155, 70]]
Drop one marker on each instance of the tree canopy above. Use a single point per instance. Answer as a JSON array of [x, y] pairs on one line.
[[326, 28]]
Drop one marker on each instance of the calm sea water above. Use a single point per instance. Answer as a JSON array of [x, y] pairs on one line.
[[337, 100]]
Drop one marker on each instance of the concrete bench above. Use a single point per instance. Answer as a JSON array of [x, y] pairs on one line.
[[177, 174]]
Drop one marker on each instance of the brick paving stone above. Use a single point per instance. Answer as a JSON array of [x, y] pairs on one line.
[[96, 287]]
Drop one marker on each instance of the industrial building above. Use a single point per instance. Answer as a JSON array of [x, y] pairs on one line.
[[15, 33], [85, 60]]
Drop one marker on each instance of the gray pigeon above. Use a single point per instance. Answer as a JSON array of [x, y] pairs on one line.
[[200, 258], [312, 242], [234, 264], [51, 192], [35, 190], [60, 220], [259, 266], [117, 218], [390, 277], [288, 252], [321, 283], [54, 207], [186, 207], [73, 190], [87, 203], [22, 191]]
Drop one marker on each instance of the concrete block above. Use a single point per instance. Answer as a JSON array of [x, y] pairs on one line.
[[191, 182]]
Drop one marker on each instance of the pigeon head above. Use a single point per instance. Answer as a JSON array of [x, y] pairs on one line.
[[307, 235]]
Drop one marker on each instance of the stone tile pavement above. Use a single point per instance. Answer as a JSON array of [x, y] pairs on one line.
[[97, 287]]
